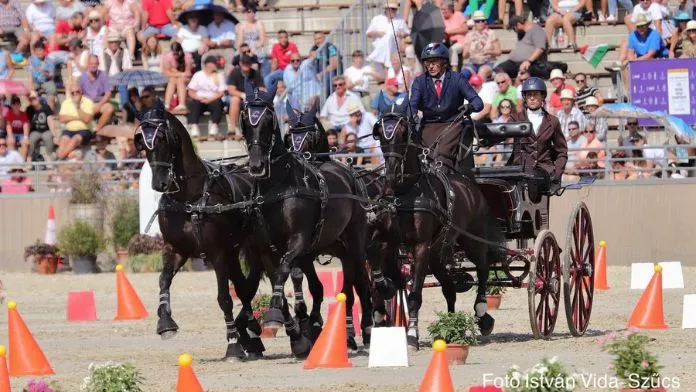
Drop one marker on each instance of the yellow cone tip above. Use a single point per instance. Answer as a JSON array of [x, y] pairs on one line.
[[185, 360], [119, 268], [602, 243], [658, 268], [439, 346], [341, 297], [12, 305], [2, 350]]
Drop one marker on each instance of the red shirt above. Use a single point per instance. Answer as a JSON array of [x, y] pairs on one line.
[[555, 98], [65, 27], [157, 12], [17, 121], [282, 55]]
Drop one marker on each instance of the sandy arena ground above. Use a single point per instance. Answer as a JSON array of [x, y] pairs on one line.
[[71, 347]]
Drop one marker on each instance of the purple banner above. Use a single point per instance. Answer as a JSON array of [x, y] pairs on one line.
[[667, 85]]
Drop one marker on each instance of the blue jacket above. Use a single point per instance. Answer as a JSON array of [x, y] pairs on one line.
[[455, 89]]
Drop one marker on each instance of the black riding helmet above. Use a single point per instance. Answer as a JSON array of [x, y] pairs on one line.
[[534, 84], [435, 50]]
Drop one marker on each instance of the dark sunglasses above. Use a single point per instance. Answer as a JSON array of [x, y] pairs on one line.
[[95, 20], [506, 107], [579, 80], [501, 82], [479, 21], [295, 61], [572, 129], [339, 84], [589, 131]]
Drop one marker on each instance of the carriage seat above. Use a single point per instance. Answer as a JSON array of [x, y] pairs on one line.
[[491, 134], [513, 173]]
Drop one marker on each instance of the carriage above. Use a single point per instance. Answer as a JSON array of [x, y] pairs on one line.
[[535, 262]]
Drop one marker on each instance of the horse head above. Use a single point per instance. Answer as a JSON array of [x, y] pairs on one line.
[[392, 131], [260, 129], [162, 146], [306, 132]]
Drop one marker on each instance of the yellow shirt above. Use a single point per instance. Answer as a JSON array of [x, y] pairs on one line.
[[67, 108]]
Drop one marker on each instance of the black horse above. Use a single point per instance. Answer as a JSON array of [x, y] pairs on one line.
[[302, 211], [433, 210], [195, 219]]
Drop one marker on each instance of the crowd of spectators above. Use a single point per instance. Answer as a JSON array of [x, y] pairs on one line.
[[77, 46]]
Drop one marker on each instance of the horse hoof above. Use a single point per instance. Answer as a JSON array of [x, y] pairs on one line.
[[252, 356], [352, 344], [273, 318], [301, 347], [412, 342], [255, 345], [486, 324], [366, 338], [166, 324], [234, 352], [305, 326], [166, 335]]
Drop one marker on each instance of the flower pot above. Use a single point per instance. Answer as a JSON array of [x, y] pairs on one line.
[[660, 389], [457, 353], [493, 301], [267, 332], [83, 264], [46, 264], [122, 257]]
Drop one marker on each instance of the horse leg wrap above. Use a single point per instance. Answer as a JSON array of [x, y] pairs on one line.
[[291, 328], [350, 328], [299, 298], [413, 327], [164, 301]]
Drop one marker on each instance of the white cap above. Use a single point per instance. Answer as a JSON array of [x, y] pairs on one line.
[[556, 74], [590, 101], [567, 94]]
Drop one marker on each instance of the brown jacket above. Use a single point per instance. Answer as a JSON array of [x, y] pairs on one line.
[[547, 149]]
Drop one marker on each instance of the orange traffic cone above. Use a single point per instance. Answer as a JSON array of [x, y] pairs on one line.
[[648, 313], [130, 307], [331, 348], [51, 226], [26, 358], [600, 278], [187, 381], [437, 377], [4, 375]]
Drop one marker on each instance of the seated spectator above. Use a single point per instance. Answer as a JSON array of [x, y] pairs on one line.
[[332, 138], [486, 96], [529, 50], [575, 141], [689, 42], [40, 126], [18, 182], [644, 43], [564, 14], [358, 75], [101, 154], [193, 39], [65, 15], [504, 111], [678, 35], [326, 60], [335, 109], [75, 114], [222, 36], [619, 167], [7, 67], [114, 60], [455, 32], [77, 60], [152, 54], [95, 85], [42, 72], [654, 157], [481, 46], [177, 67], [235, 83], [205, 92], [401, 72], [350, 146], [558, 81], [41, 16], [253, 33], [381, 30], [96, 33], [300, 77], [647, 9], [67, 31], [17, 127], [360, 124], [584, 161], [585, 91], [245, 50], [391, 96], [505, 91], [157, 18], [281, 53], [132, 106], [123, 20], [13, 24], [600, 123], [569, 112], [7, 156]]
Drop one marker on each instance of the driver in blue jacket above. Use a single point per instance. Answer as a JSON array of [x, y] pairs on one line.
[[439, 93]]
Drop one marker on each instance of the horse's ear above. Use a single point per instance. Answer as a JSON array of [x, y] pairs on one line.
[[267, 96], [292, 115], [249, 90], [312, 113], [382, 105]]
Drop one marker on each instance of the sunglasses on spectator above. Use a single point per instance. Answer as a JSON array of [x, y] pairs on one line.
[[579, 80], [480, 21], [295, 60], [339, 84], [506, 107], [3, 144], [572, 129], [77, 92], [501, 82], [589, 131], [95, 20]]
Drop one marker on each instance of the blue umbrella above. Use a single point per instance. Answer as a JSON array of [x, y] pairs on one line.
[[621, 110], [675, 125], [205, 13], [138, 77]]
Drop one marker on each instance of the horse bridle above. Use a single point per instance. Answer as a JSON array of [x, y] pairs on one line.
[[149, 143], [304, 131], [389, 123], [254, 111]]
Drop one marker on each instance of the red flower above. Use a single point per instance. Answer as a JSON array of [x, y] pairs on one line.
[[257, 314], [264, 309]]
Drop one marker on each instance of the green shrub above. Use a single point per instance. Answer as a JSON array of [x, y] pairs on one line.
[[111, 377], [145, 263], [125, 222], [455, 328], [492, 289], [86, 187], [80, 239]]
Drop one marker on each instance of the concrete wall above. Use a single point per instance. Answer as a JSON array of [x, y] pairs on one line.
[[639, 222]]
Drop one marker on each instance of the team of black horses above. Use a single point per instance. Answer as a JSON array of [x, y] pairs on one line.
[[292, 202]]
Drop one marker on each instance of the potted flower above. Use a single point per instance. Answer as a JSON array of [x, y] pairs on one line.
[[113, 377], [81, 242], [41, 386], [85, 198], [633, 363], [459, 330], [260, 305], [44, 257], [545, 376], [125, 223], [494, 293]]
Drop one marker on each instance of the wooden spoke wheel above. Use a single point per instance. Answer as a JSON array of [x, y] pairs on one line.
[[579, 270], [544, 285]]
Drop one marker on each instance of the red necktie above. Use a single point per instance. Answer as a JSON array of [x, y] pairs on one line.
[[438, 87]]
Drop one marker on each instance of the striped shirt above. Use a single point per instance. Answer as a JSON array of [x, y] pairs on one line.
[[11, 15], [574, 115], [582, 95]]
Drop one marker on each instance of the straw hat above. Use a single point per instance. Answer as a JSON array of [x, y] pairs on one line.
[[353, 108], [691, 25], [478, 15], [557, 74], [392, 5], [591, 101], [567, 94], [642, 20]]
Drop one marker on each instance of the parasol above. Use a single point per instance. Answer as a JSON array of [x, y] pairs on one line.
[[138, 77], [205, 14], [428, 26]]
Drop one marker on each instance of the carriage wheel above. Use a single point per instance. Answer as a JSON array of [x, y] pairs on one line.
[[578, 270], [544, 285]]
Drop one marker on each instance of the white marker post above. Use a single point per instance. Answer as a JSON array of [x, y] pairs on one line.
[[148, 201]]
